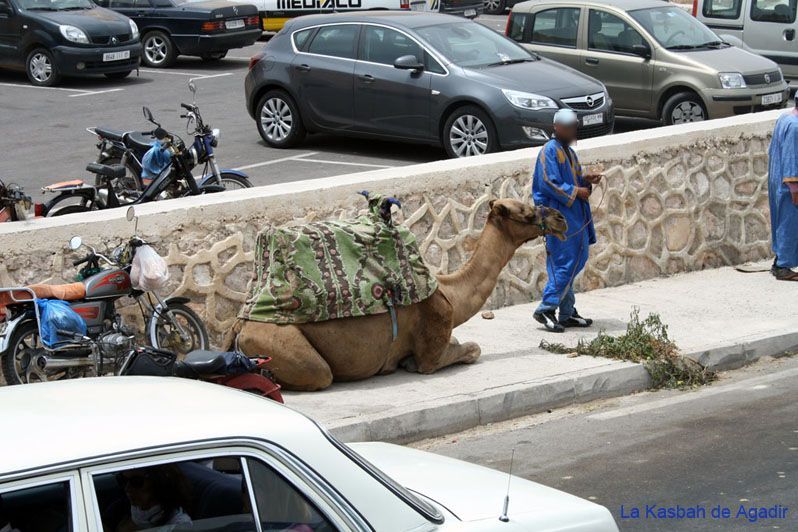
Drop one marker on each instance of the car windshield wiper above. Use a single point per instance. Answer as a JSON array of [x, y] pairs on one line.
[[514, 61], [42, 9], [682, 47], [713, 44]]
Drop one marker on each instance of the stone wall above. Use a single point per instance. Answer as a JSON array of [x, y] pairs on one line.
[[675, 199]]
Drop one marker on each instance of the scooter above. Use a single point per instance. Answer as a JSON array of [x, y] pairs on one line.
[[15, 205], [129, 147]]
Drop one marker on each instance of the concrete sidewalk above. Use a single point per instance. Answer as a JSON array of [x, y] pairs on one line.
[[722, 318]]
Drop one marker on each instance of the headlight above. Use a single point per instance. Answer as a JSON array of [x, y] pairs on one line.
[[527, 100], [134, 30], [73, 34], [731, 80]]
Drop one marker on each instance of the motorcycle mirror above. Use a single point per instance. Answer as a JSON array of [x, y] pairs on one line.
[[147, 113], [75, 242], [130, 215], [193, 88]]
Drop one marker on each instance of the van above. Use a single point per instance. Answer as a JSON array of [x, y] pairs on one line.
[[275, 13], [655, 59], [766, 27]]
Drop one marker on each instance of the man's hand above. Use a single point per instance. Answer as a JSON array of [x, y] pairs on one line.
[[593, 179], [583, 193]]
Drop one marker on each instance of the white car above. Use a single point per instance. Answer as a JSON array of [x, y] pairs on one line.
[[133, 453]]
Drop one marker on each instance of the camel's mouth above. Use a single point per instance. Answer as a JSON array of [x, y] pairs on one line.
[[559, 234]]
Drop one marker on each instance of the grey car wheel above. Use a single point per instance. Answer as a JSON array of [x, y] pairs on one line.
[[494, 7], [41, 69], [469, 131], [279, 123], [683, 108], [158, 50]]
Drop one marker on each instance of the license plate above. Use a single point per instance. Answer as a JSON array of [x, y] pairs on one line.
[[116, 56], [470, 13], [769, 99], [234, 24], [590, 120]]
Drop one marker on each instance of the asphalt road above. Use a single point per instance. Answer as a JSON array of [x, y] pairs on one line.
[[43, 138], [729, 444]]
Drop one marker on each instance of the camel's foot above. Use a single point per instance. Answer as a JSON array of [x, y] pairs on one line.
[[455, 353], [409, 364]]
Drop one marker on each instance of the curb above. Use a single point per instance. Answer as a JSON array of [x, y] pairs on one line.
[[462, 412]]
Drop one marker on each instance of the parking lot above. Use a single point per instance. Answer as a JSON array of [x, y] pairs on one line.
[[43, 137]]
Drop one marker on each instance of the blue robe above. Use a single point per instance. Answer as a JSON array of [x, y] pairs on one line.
[[783, 169], [554, 185]]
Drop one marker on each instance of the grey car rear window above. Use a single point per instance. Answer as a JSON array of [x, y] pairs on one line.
[[336, 41], [781, 12]]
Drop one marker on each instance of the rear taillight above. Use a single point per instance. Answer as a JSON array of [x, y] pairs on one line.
[[404, 4], [38, 209], [213, 26], [695, 8], [255, 59], [252, 21], [507, 26]]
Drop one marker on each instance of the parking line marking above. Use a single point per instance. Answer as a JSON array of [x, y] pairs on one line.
[[274, 161], [346, 163], [94, 92], [47, 88], [193, 75]]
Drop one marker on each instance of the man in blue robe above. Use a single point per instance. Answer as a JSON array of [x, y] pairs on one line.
[[558, 182], [783, 195]]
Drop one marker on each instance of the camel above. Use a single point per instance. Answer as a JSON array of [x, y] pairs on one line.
[[310, 356]]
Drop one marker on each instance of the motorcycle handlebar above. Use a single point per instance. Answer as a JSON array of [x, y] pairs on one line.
[[187, 107], [82, 261]]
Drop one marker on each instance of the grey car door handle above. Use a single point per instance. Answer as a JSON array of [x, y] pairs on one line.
[[367, 78], [592, 61], [303, 68], [789, 34]]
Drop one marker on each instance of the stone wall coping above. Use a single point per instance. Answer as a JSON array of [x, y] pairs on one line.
[[282, 202]]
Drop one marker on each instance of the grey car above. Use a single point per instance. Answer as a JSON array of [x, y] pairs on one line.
[[414, 77]]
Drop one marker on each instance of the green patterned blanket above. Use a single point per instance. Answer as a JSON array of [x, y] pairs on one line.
[[338, 269]]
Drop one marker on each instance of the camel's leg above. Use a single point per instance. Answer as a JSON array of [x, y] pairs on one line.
[[435, 347], [295, 363]]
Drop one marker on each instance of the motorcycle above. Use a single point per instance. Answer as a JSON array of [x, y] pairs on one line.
[[14, 204], [231, 369], [102, 281], [129, 147]]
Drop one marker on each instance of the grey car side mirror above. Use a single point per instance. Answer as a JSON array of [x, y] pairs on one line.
[[408, 62], [642, 50]]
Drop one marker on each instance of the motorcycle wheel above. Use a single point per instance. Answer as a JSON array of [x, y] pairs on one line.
[[16, 359], [234, 181], [67, 209], [131, 181], [164, 335]]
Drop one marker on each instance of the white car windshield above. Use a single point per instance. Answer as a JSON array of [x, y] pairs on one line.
[[55, 5], [675, 29], [468, 44]]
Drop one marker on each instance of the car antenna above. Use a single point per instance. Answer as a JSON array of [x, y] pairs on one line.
[[503, 517]]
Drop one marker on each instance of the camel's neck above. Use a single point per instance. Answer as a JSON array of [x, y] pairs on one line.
[[469, 288]]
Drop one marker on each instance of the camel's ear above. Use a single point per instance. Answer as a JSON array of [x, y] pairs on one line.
[[498, 208], [490, 204]]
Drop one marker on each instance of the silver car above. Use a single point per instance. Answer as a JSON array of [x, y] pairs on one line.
[[656, 60]]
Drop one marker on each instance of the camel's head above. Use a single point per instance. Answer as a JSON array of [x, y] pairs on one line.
[[523, 221]]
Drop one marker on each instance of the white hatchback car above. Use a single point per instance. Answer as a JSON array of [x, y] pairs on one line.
[[169, 454]]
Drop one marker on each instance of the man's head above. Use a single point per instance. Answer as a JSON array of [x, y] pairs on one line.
[[565, 125]]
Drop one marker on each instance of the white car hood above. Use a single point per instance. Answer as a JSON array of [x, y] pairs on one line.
[[476, 493]]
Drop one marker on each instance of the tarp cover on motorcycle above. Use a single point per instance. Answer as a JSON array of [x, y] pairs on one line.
[[56, 315], [336, 269]]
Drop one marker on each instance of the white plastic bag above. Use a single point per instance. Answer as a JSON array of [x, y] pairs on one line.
[[149, 271]]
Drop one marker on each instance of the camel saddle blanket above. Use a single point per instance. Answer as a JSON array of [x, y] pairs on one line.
[[337, 269]]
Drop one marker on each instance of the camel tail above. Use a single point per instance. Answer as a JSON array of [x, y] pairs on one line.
[[229, 342]]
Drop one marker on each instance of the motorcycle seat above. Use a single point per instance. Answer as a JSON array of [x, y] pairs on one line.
[[112, 171], [110, 134], [203, 362], [64, 292], [137, 140]]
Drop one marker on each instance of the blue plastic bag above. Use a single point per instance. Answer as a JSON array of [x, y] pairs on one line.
[[156, 160], [58, 315]]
